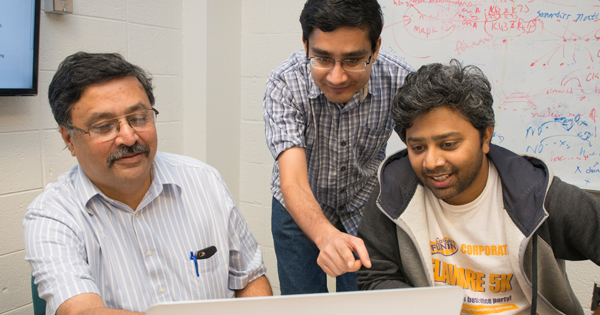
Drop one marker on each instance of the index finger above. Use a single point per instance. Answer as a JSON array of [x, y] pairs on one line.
[[361, 250]]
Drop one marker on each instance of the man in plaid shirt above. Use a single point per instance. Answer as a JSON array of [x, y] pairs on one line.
[[327, 120]]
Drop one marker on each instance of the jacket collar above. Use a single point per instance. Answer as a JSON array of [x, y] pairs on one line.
[[524, 179]]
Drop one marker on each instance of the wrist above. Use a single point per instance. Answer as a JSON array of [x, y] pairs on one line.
[[324, 235]]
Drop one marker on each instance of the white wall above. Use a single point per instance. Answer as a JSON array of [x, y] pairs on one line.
[[270, 33]]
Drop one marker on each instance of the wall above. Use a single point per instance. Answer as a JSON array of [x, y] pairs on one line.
[[270, 33], [223, 89], [149, 33]]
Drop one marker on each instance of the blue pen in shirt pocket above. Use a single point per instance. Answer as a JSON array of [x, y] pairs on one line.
[[202, 254]]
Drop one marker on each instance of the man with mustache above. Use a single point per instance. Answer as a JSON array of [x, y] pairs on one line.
[[454, 209], [327, 121], [128, 226]]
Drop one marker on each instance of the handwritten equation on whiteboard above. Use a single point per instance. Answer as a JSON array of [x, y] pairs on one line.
[[542, 58]]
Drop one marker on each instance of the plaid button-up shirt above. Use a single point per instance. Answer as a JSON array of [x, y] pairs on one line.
[[344, 143]]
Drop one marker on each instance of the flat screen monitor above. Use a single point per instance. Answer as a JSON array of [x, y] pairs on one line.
[[19, 47]]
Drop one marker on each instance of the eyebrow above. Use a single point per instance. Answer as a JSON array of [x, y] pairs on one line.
[[355, 53], [107, 115], [435, 138]]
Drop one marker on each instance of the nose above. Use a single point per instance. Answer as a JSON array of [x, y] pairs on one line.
[[337, 75], [433, 158], [125, 134]]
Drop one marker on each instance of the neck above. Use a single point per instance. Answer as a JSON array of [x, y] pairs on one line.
[[130, 194]]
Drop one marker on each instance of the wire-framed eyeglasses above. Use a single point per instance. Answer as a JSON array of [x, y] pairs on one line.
[[353, 65], [107, 130]]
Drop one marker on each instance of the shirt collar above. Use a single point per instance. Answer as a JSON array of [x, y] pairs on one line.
[[162, 174], [85, 189]]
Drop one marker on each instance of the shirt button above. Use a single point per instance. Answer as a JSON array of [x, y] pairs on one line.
[[342, 191], [149, 253], [137, 214], [161, 290], [341, 208], [343, 168], [343, 143]]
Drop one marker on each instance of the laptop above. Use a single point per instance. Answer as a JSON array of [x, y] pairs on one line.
[[445, 300]]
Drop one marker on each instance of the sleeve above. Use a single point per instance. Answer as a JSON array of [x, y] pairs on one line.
[[573, 222], [285, 122], [379, 234], [57, 256], [245, 256]]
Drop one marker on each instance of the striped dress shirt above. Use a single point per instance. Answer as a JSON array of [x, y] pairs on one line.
[[344, 143], [78, 240]]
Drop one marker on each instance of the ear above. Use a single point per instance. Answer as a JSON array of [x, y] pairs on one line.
[[487, 139], [305, 43], [376, 52], [68, 139]]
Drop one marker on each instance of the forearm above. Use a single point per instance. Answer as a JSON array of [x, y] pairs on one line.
[[299, 199], [307, 213], [257, 287], [335, 247], [88, 304], [106, 311]]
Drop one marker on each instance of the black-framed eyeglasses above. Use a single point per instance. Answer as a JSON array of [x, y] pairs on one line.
[[353, 65], [107, 130]]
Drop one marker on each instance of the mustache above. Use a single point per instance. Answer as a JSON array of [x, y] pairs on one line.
[[123, 150], [438, 170]]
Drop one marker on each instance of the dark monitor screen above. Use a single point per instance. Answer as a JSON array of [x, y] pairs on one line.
[[19, 46]]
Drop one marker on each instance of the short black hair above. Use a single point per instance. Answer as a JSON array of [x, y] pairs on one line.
[[463, 89], [80, 70], [328, 15]]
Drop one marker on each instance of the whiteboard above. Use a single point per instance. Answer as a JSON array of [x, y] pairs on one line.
[[542, 58]]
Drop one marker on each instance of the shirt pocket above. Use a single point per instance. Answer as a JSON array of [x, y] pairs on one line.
[[207, 265], [210, 283], [368, 144]]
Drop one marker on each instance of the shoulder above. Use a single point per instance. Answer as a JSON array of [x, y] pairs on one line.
[[531, 170], [59, 193], [390, 62], [175, 162], [295, 67], [61, 202], [183, 170]]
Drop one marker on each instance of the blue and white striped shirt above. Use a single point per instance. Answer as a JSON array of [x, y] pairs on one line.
[[78, 240], [344, 144]]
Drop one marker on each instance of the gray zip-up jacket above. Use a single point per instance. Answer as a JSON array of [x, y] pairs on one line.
[[564, 218]]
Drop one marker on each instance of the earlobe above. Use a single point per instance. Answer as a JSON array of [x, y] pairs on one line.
[[68, 139]]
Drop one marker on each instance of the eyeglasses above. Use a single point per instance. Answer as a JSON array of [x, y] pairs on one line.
[[353, 65], [107, 130]]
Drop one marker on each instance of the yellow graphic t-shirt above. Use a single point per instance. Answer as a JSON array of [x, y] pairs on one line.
[[468, 249]]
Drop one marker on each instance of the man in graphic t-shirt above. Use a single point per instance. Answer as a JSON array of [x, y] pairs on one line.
[[454, 209]]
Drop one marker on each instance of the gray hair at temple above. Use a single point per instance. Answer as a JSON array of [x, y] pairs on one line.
[[80, 70], [464, 89]]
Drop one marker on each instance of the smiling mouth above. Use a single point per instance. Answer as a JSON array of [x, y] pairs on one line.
[[440, 178]]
